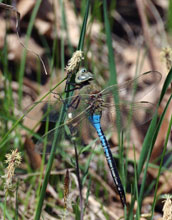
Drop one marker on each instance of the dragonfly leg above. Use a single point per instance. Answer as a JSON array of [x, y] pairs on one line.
[[75, 102], [57, 94], [77, 86]]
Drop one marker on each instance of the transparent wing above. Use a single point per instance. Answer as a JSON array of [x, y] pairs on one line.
[[44, 110], [136, 88], [131, 114], [50, 110], [132, 90], [44, 145]]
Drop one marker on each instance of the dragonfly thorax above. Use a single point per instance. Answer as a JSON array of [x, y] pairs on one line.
[[96, 103]]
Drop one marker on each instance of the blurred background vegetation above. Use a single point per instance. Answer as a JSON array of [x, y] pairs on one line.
[[139, 41]]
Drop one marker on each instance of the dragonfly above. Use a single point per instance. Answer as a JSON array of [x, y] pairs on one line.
[[91, 103]]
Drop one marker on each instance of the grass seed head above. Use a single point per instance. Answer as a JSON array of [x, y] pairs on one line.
[[74, 62], [13, 160]]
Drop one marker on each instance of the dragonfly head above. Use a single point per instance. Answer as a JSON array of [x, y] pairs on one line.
[[83, 75]]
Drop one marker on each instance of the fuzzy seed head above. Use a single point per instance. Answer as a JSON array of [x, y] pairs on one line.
[[74, 62], [66, 187], [167, 209], [13, 160]]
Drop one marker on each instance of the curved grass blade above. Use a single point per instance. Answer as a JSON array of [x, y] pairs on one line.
[[151, 136]]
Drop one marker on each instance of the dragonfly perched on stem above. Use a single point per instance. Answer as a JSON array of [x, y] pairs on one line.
[[92, 103]]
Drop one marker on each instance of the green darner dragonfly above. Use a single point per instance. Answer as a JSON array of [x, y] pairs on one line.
[[94, 104]]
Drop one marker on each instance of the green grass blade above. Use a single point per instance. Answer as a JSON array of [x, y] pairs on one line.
[[113, 80], [150, 138], [152, 127], [167, 82], [169, 16], [161, 163], [56, 140], [136, 180], [149, 154], [112, 66], [5, 137], [83, 29], [80, 46], [146, 144]]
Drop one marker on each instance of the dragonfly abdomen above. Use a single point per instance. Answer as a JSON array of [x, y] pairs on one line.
[[95, 121]]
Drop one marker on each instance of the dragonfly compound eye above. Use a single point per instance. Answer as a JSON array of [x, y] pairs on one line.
[[83, 70]]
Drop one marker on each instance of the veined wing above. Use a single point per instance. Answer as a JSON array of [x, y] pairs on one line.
[[44, 145], [49, 110], [79, 105], [131, 114], [137, 88]]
